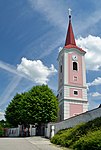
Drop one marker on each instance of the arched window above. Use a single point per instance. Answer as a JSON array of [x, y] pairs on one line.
[[75, 66]]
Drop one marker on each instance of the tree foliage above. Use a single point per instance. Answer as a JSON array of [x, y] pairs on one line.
[[1, 130], [38, 105]]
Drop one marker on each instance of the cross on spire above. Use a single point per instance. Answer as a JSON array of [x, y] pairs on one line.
[[70, 35], [70, 12]]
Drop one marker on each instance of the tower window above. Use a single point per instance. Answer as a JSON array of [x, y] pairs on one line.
[[60, 80], [75, 92], [60, 94], [75, 66], [61, 68], [75, 78]]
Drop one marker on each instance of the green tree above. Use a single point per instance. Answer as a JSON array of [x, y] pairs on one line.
[[5, 124], [13, 112], [39, 105], [1, 131]]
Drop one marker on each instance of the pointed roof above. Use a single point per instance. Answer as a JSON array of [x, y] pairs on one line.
[[70, 39], [70, 35]]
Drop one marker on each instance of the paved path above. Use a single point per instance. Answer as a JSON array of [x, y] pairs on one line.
[[31, 143]]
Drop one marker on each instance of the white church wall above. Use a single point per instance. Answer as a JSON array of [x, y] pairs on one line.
[[84, 117], [84, 93], [65, 68], [85, 107], [66, 110], [84, 70], [66, 92]]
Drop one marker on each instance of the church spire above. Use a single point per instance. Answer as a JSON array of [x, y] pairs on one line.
[[70, 40]]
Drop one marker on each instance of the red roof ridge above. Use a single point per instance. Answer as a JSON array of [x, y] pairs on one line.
[[74, 46]]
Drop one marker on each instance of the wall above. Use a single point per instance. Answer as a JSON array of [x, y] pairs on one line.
[[84, 117]]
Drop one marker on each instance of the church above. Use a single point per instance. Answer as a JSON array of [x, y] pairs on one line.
[[72, 87]]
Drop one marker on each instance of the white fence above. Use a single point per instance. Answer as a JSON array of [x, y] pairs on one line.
[[13, 132], [16, 132]]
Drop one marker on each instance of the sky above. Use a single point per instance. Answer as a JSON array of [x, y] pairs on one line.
[[31, 34]]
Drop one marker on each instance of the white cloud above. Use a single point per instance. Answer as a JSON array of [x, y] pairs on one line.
[[96, 94], [2, 115], [92, 45], [51, 10], [6, 95], [36, 70], [30, 70], [97, 81], [92, 103], [55, 13], [51, 47], [9, 90], [89, 20], [8, 67], [94, 99], [60, 48]]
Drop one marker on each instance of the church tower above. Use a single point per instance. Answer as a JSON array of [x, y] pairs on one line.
[[72, 88]]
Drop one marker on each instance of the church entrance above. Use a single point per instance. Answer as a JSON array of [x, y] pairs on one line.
[[24, 131], [40, 130]]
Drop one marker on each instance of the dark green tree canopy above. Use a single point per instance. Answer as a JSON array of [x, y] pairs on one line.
[[38, 105]]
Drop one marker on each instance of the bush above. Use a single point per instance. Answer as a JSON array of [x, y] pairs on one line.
[[91, 141], [79, 136], [68, 137], [61, 137], [83, 129]]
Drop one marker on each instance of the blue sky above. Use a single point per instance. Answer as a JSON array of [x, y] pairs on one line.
[[31, 33]]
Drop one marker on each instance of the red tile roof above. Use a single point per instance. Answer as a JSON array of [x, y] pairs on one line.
[[70, 40], [74, 46], [70, 35]]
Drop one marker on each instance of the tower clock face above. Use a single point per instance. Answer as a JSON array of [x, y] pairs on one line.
[[74, 57]]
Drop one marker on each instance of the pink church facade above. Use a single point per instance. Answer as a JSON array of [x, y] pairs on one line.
[[72, 88]]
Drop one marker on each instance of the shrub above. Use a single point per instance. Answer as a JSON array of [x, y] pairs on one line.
[[61, 137], [91, 141], [80, 135], [83, 128]]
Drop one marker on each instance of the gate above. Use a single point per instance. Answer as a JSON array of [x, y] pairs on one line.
[[40, 130]]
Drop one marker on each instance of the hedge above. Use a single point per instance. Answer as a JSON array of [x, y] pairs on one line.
[[80, 135], [90, 142]]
